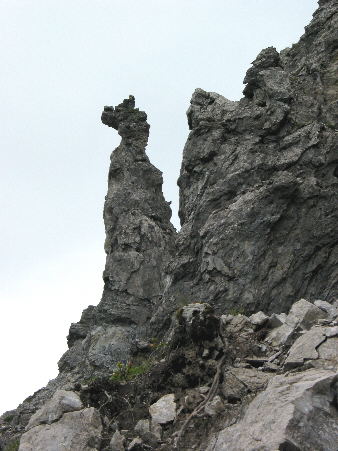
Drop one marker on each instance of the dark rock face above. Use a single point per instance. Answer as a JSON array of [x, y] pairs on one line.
[[258, 183]]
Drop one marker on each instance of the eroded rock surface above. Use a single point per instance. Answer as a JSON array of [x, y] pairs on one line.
[[139, 243], [202, 314], [258, 182]]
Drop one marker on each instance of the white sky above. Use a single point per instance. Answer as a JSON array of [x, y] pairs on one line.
[[61, 62]]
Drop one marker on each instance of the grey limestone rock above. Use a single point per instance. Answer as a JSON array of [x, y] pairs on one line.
[[258, 209], [305, 347], [76, 431], [62, 401], [293, 413], [117, 442], [330, 309], [258, 183], [214, 407], [142, 426], [164, 410], [258, 319], [302, 316], [139, 243]]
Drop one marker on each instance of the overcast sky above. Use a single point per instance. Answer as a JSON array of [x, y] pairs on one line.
[[61, 62]]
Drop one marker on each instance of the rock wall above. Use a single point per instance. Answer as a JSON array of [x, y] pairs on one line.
[[258, 183]]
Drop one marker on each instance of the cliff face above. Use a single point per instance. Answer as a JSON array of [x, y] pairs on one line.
[[258, 208], [258, 183]]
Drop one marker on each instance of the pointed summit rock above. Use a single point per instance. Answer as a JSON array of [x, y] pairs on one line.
[[139, 244]]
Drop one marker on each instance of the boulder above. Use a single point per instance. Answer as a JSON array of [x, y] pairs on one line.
[[305, 347], [75, 431], [295, 412], [62, 401], [258, 319], [330, 309], [328, 350], [304, 314], [164, 410]]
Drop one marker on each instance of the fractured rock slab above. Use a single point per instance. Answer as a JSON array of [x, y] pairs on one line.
[[62, 401], [294, 412], [330, 309], [304, 348], [75, 431], [302, 316]]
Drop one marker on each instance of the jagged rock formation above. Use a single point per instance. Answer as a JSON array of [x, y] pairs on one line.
[[139, 243], [258, 207], [258, 183]]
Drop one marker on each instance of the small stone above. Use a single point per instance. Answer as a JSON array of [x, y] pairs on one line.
[[329, 349], [142, 426], [117, 442], [164, 410], [214, 407], [142, 345], [192, 399], [136, 444], [226, 319], [156, 429], [331, 331], [232, 388], [276, 320], [205, 353], [204, 389], [304, 348], [330, 309], [304, 314], [251, 378], [258, 319]]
